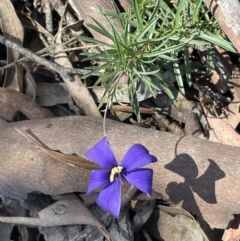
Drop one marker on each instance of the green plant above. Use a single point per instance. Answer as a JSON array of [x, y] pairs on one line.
[[154, 32]]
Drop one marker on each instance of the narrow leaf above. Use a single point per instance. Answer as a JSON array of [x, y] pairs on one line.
[[178, 76], [138, 14], [187, 66]]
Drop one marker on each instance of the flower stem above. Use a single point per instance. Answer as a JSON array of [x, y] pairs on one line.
[[110, 91], [128, 196]]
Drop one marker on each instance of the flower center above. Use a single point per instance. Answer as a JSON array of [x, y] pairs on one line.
[[114, 171]]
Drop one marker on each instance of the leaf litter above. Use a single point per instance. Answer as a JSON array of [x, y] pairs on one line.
[[202, 104]]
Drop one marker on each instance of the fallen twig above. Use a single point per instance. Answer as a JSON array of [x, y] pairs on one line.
[[65, 72]]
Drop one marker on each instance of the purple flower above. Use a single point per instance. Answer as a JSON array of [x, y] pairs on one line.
[[112, 174]]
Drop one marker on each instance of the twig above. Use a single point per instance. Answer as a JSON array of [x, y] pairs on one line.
[[128, 196], [64, 72], [71, 49], [59, 69], [127, 108], [35, 17], [48, 19], [48, 49]]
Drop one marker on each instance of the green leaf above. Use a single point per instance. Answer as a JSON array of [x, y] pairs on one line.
[[153, 36], [198, 5], [101, 29], [180, 9], [171, 49], [147, 28], [187, 66], [149, 84], [146, 73], [166, 57], [117, 42], [178, 76], [154, 12], [122, 18], [133, 99], [92, 40], [165, 87], [166, 8], [138, 14], [206, 35]]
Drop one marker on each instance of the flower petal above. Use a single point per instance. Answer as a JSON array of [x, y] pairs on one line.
[[109, 198], [141, 179], [137, 156], [97, 179], [102, 154]]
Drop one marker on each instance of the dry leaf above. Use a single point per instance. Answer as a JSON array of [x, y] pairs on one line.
[[67, 211], [12, 101], [180, 109], [30, 23], [143, 214], [76, 88], [13, 30], [223, 131], [50, 94], [172, 223], [125, 4], [88, 8], [69, 159], [232, 233], [30, 85], [192, 125]]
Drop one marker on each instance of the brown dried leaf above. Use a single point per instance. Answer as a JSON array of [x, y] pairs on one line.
[[50, 94], [12, 101], [172, 223], [69, 159], [30, 84], [192, 125], [143, 214], [223, 131], [76, 88], [232, 233], [88, 8], [125, 4], [30, 23], [217, 81], [13, 30]]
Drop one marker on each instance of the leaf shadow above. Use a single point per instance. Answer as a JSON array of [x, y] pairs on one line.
[[203, 186]]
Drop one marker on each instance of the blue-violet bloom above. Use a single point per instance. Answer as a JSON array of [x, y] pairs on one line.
[[112, 174]]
